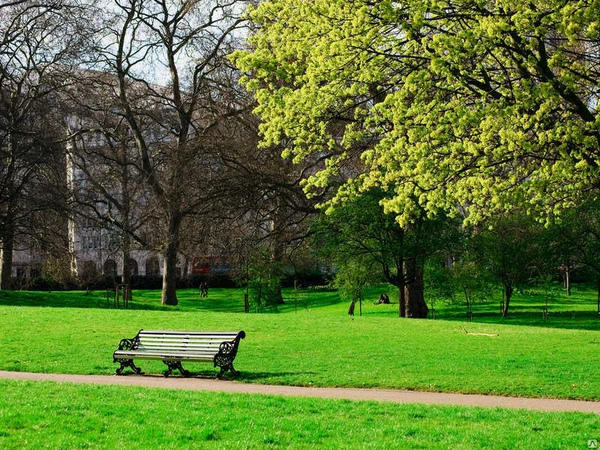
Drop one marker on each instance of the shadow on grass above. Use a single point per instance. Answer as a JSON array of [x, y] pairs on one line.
[[218, 300], [253, 376], [560, 319], [212, 375], [546, 306]]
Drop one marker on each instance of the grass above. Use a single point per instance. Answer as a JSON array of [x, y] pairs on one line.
[[67, 416], [308, 341], [311, 342], [578, 311]]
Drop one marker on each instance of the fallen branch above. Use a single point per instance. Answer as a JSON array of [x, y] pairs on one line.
[[478, 334]]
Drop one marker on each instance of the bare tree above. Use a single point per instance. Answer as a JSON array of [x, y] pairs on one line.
[[104, 171], [167, 59], [39, 41]]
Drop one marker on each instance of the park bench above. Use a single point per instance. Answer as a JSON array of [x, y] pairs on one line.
[[174, 347]]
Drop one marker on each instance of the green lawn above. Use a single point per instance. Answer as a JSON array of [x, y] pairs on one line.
[[312, 341], [64, 416], [309, 341]]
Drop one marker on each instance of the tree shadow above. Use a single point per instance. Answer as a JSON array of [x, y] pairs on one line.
[[563, 319]]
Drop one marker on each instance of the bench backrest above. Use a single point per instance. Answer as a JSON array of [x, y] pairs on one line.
[[192, 342]]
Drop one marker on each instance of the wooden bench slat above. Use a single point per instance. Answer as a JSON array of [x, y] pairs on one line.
[[163, 355], [207, 334]]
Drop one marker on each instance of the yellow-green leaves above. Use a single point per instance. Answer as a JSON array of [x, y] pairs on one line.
[[468, 106]]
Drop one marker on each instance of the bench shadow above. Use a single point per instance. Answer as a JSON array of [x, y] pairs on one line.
[[243, 376], [250, 376]]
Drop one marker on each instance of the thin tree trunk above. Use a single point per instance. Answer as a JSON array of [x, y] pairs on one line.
[[125, 266], [508, 292], [6, 255], [567, 279], [277, 253], [125, 212], [169, 288]]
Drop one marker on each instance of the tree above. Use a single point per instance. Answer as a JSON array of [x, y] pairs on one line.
[[353, 277], [107, 188], [575, 241], [39, 43], [169, 67], [486, 105], [359, 230], [514, 253]]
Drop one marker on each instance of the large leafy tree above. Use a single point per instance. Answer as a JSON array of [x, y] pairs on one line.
[[482, 104]]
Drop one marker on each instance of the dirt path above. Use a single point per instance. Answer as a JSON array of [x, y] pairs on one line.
[[383, 395]]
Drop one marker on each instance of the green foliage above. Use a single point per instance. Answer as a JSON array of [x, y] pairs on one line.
[[472, 282], [262, 278], [360, 230], [575, 241], [353, 277], [358, 237], [487, 105], [264, 292]]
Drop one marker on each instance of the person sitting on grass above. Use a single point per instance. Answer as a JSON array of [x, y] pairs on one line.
[[384, 299]]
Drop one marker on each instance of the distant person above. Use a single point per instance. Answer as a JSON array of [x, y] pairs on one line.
[[204, 289], [351, 308], [384, 299]]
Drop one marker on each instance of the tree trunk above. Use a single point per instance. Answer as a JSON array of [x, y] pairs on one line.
[[6, 256], [7, 235], [416, 307], [169, 287], [277, 254], [402, 300], [508, 292], [567, 279], [125, 267], [125, 212]]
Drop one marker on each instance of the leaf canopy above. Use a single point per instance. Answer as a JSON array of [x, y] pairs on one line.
[[487, 105]]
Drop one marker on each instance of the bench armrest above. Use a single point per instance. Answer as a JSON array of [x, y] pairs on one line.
[[127, 344]]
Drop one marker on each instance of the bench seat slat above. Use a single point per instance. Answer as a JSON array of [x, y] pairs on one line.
[[214, 342], [184, 339], [208, 334], [135, 353], [164, 355], [169, 351]]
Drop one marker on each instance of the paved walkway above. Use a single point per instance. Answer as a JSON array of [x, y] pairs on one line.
[[383, 395]]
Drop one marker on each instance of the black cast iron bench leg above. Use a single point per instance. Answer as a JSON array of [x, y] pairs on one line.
[[175, 365]]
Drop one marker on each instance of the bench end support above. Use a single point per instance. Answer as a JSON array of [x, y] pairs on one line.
[[175, 365], [126, 363]]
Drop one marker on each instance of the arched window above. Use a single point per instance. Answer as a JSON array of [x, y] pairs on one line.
[[110, 268], [132, 266], [152, 267]]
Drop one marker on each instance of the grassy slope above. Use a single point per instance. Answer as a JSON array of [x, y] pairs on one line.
[[313, 342]]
